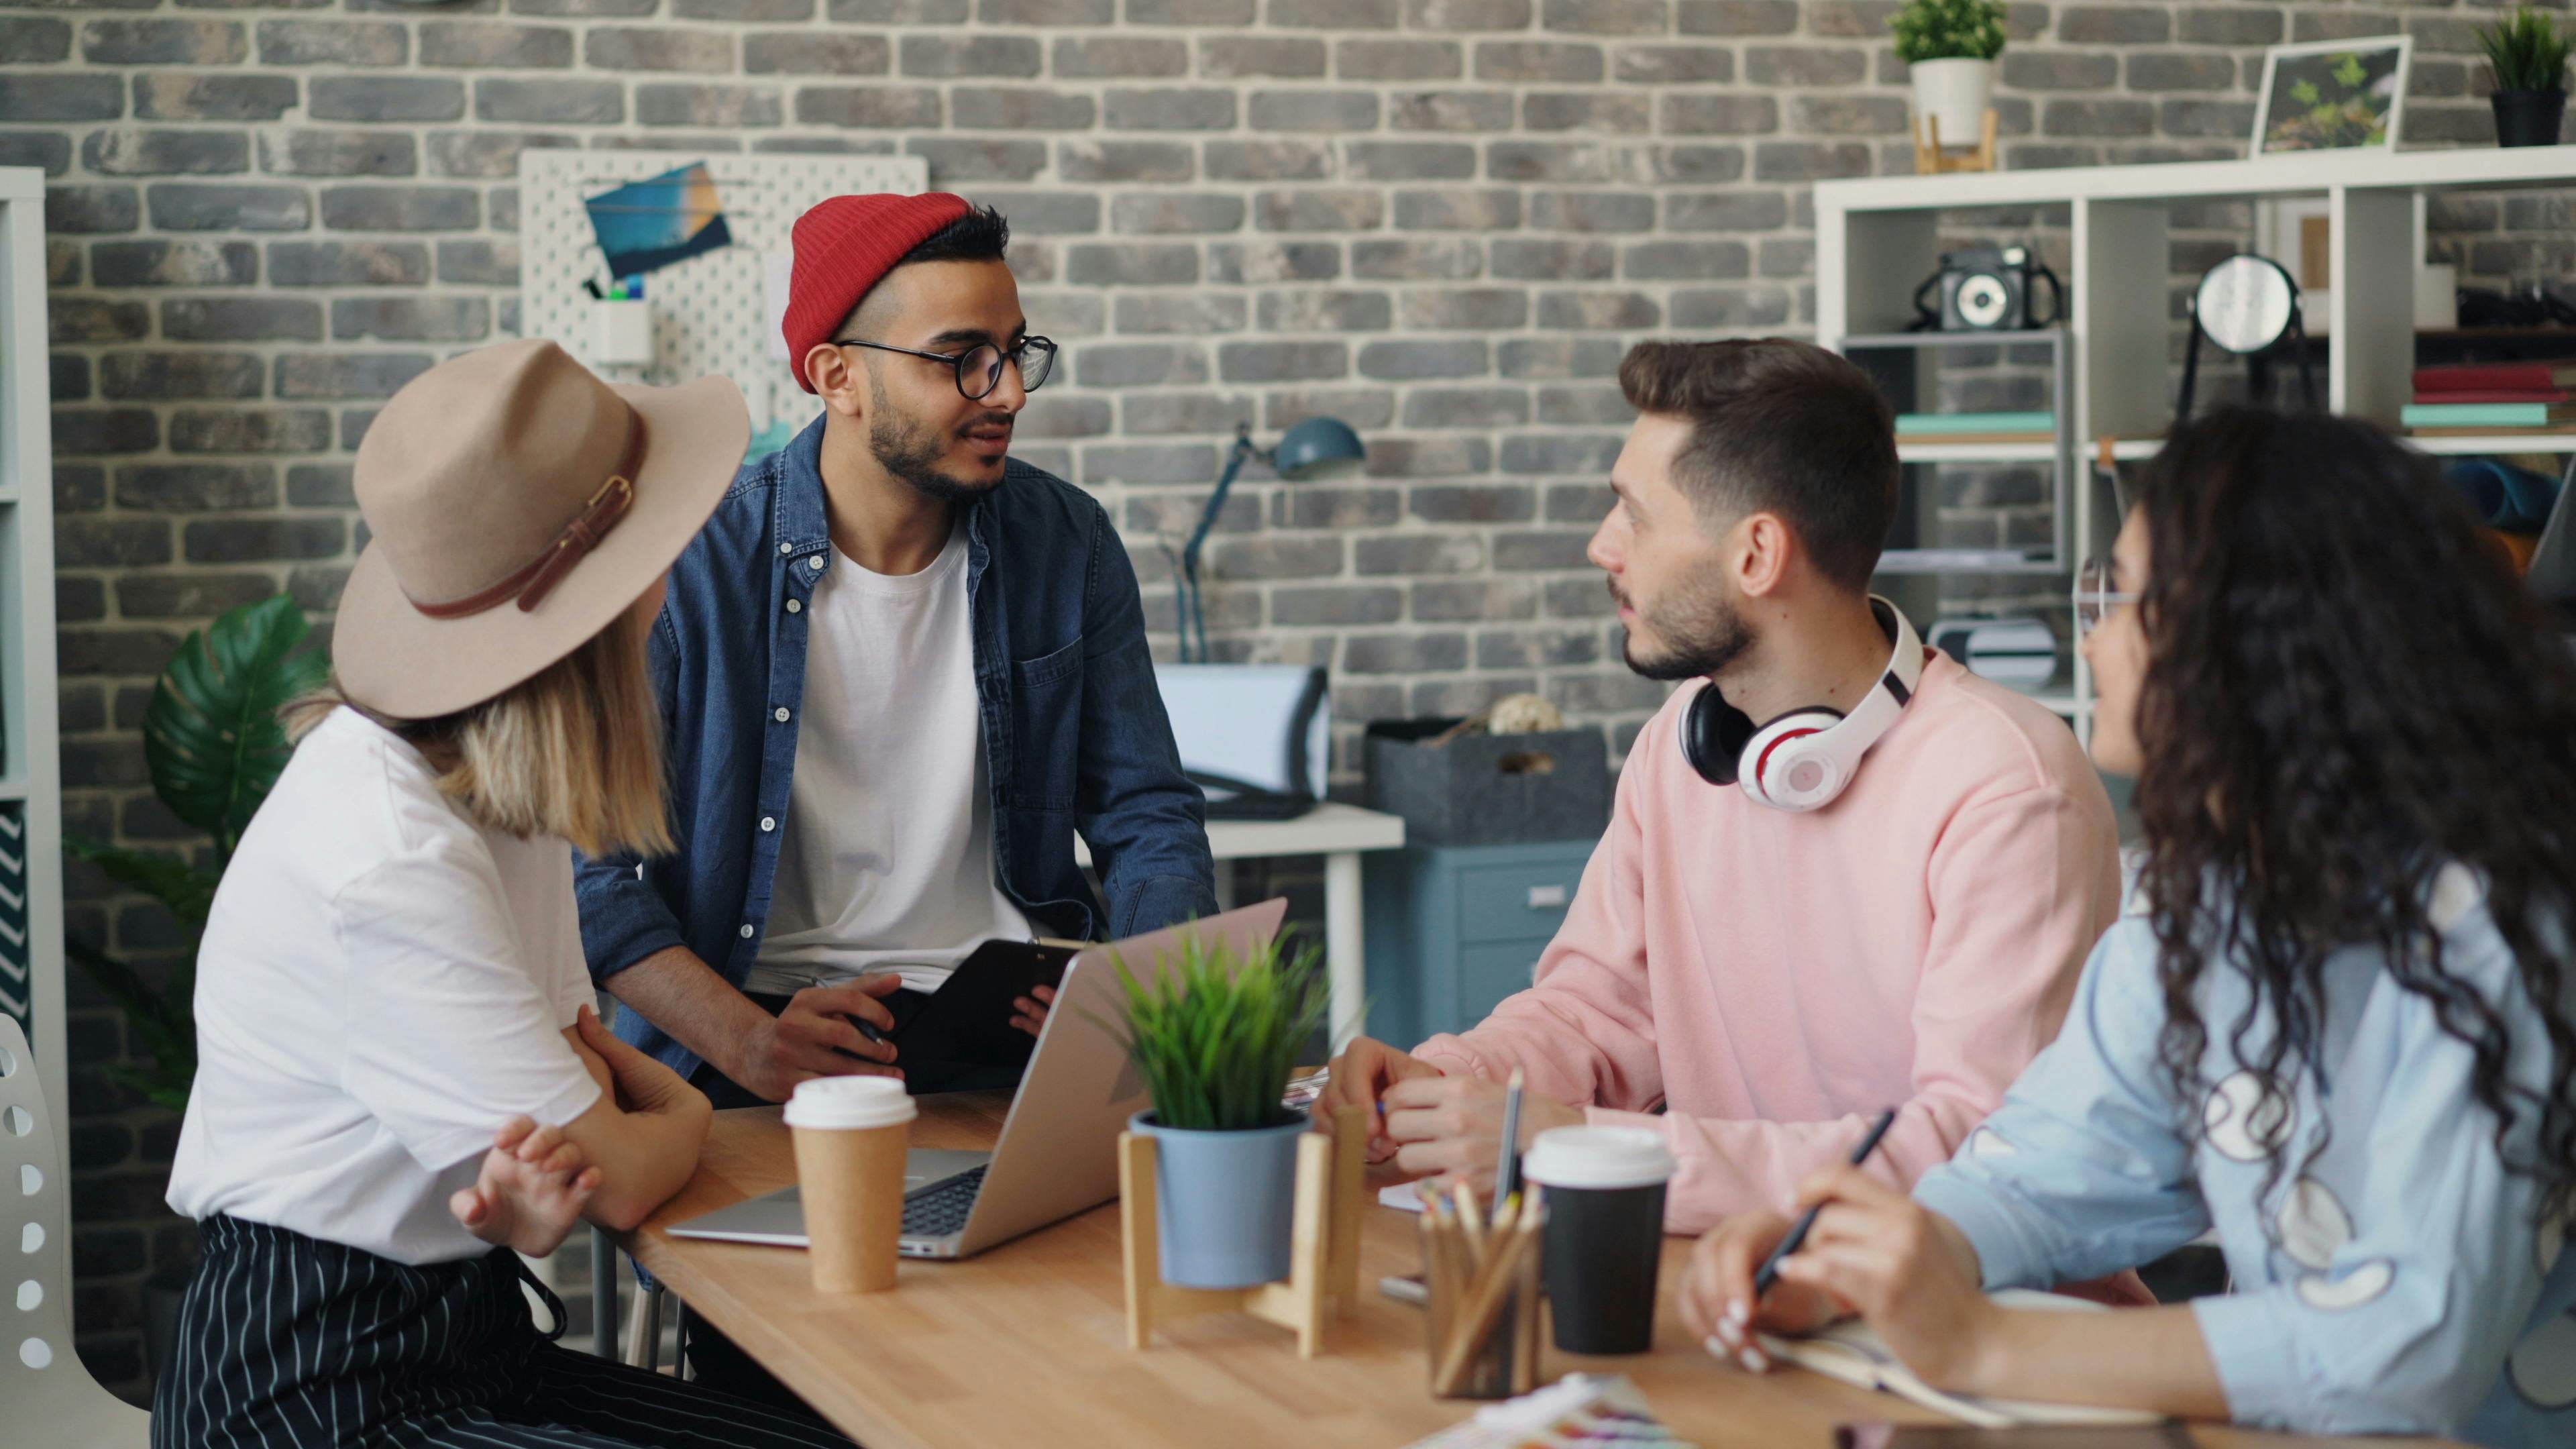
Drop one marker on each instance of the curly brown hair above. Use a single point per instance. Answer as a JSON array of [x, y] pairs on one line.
[[2346, 691]]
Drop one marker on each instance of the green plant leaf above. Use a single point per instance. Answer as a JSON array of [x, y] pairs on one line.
[[1215, 1039], [187, 891], [1948, 30], [211, 735], [2527, 51]]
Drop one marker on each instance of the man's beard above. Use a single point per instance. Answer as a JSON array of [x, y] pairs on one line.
[[1703, 633], [911, 449]]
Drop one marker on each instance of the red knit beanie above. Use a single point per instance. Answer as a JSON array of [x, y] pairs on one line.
[[844, 247]]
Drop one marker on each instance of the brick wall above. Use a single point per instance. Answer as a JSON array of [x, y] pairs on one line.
[[1442, 220]]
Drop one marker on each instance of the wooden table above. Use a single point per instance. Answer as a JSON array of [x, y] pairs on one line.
[[1026, 1344]]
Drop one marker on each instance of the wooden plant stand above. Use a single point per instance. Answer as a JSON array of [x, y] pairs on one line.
[[1324, 1235], [1931, 160]]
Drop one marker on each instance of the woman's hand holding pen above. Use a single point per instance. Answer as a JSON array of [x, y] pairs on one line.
[[1873, 1251]]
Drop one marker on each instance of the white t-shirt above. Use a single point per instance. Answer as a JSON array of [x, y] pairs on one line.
[[887, 864], [382, 984]]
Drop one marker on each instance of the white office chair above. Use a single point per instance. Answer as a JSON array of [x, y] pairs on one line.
[[47, 1398]]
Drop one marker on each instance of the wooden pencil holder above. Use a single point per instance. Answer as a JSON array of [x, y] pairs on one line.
[[1324, 1236], [1931, 160]]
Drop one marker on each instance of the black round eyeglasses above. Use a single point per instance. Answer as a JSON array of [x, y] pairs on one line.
[[979, 368]]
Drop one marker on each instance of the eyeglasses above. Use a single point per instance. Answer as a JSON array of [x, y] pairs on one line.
[[2094, 598], [979, 368]]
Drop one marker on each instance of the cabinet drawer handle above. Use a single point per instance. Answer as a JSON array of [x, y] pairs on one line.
[[1547, 898]]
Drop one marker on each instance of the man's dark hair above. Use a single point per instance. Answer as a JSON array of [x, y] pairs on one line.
[[1783, 427], [978, 236]]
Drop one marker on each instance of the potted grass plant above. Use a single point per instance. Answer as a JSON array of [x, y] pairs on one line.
[[2528, 53], [1215, 1033], [1949, 49]]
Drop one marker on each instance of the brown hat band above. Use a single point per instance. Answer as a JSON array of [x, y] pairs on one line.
[[534, 580]]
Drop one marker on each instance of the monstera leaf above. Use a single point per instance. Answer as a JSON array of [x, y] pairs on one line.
[[211, 736]]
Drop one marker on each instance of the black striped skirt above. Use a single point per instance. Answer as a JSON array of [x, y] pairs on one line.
[[287, 1341]]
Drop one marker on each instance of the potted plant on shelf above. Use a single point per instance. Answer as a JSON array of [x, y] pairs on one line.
[[212, 742], [2529, 55], [1949, 49], [1215, 1036]]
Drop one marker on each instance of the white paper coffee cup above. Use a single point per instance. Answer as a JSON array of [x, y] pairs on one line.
[[852, 1135]]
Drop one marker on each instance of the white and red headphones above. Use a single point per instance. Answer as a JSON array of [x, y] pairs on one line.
[[1803, 759]]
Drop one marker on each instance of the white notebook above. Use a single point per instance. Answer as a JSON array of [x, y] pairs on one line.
[[1852, 1352]]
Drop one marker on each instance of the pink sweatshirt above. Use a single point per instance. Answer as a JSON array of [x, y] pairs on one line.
[[1776, 980]]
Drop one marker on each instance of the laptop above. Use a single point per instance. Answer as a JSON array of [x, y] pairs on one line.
[[1058, 1152]]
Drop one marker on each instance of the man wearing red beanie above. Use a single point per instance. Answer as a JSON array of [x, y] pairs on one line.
[[899, 671]]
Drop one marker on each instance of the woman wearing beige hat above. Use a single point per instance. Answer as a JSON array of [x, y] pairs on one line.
[[391, 991]]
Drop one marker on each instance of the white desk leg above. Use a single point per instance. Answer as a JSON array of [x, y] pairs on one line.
[[1225, 885], [1343, 935]]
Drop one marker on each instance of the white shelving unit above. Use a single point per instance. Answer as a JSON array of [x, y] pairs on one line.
[[1877, 238], [31, 802]]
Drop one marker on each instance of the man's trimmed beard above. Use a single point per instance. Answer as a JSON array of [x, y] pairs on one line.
[[1702, 630], [910, 450]]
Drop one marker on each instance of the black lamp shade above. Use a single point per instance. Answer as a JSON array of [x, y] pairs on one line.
[[1318, 448]]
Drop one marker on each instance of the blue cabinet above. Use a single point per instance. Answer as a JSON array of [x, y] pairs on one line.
[[1453, 929]]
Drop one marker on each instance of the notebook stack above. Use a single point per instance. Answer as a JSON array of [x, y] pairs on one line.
[[2479, 399]]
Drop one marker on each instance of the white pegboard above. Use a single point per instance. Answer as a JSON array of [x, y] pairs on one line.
[[709, 311]]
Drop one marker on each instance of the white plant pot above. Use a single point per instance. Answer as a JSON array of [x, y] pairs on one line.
[[1953, 94]]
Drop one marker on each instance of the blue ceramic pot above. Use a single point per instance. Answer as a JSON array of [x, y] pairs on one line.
[[1223, 1202]]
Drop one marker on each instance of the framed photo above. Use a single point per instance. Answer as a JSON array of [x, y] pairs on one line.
[[2332, 95]]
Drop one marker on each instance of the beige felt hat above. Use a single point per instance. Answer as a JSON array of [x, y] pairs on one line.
[[516, 504]]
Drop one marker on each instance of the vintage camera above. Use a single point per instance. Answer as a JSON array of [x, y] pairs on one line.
[[1988, 289]]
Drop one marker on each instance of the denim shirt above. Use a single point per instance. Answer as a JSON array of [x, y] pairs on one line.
[[1075, 737]]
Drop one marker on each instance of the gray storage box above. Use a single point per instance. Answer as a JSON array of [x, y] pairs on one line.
[[1483, 789]]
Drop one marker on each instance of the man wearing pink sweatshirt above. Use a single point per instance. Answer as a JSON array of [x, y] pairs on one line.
[[1773, 972]]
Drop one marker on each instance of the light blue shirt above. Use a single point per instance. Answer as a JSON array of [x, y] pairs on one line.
[[2396, 1279]]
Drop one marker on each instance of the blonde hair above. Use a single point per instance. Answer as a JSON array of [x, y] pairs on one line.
[[574, 751]]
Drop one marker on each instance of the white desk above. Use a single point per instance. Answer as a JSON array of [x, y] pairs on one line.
[[1340, 834]]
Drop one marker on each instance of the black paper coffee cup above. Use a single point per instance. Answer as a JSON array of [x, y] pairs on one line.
[[1605, 1232]]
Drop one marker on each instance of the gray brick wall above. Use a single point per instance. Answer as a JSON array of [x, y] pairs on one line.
[[1439, 219]]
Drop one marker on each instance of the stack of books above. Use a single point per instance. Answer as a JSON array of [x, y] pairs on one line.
[[2496, 397]]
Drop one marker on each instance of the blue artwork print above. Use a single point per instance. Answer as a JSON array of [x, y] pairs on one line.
[[648, 224]]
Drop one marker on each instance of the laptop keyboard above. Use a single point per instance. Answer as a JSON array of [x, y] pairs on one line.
[[942, 1210]]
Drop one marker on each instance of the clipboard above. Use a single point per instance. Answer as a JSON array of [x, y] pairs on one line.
[[968, 1019]]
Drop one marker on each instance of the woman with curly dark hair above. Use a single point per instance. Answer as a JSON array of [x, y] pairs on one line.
[[2338, 1024]]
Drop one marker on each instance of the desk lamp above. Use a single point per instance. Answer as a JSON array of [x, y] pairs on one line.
[[1312, 451], [2245, 304]]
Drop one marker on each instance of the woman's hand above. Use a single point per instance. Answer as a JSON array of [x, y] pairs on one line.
[[530, 1192], [1907, 1270], [1717, 1300], [641, 1083]]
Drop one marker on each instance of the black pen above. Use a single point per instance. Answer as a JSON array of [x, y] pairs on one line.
[[1797, 1238]]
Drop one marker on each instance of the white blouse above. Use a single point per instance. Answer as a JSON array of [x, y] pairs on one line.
[[382, 984]]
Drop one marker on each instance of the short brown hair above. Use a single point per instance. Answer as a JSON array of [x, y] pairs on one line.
[[1783, 427], [574, 751]]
